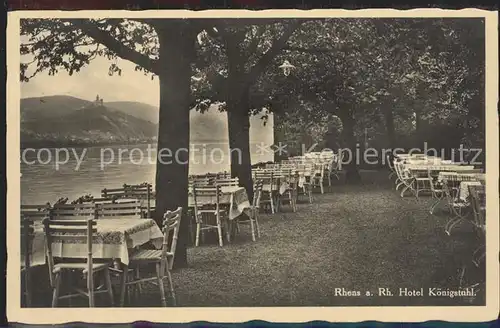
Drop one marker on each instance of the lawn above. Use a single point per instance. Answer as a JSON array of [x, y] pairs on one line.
[[352, 238], [359, 238]]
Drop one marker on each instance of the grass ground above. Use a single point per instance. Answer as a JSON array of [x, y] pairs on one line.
[[355, 237], [359, 238]]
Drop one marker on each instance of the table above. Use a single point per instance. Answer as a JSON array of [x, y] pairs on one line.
[[114, 239], [417, 170], [415, 156], [437, 167], [234, 196]]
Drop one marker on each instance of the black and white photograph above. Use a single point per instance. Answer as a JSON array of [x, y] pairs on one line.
[[253, 160]]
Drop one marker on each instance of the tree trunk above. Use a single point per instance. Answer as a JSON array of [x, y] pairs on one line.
[[352, 172], [279, 136], [389, 125], [418, 122], [173, 133], [239, 142]]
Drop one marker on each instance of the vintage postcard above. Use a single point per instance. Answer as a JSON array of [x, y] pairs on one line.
[[233, 165]]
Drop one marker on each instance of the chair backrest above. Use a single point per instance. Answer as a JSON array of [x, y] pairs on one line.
[[223, 175], [319, 168], [35, 212], [432, 177], [125, 210], [307, 169], [288, 174], [200, 181], [267, 177], [171, 226], [206, 196], [83, 211], [420, 173], [128, 191], [101, 200], [69, 231], [227, 182], [257, 193], [143, 192], [402, 173]]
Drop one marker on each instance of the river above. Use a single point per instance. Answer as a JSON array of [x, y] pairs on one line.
[[49, 174]]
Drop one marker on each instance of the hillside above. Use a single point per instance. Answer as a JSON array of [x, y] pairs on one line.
[[136, 109], [69, 119], [33, 109], [91, 124]]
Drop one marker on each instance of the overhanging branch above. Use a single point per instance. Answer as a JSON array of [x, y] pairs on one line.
[[275, 49], [116, 46], [309, 50]]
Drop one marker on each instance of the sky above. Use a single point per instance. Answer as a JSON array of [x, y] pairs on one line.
[[94, 79]]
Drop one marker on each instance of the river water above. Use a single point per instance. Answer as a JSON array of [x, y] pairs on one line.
[[79, 171]]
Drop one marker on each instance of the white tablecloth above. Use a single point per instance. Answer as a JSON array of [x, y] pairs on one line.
[[114, 238], [234, 196]]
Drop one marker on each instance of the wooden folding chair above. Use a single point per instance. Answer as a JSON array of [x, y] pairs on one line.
[[437, 191], [406, 179], [207, 208], [268, 193], [422, 181], [253, 215], [75, 231], [290, 177], [307, 170], [29, 215], [142, 192], [163, 259], [318, 177]]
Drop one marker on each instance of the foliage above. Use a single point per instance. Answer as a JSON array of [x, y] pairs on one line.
[[429, 71], [83, 199], [408, 72]]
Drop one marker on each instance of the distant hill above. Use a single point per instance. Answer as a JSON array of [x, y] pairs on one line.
[[68, 119], [49, 107], [208, 126], [89, 125], [63, 119], [136, 109]]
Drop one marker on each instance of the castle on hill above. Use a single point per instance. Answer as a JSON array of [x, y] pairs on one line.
[[98, 101]]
